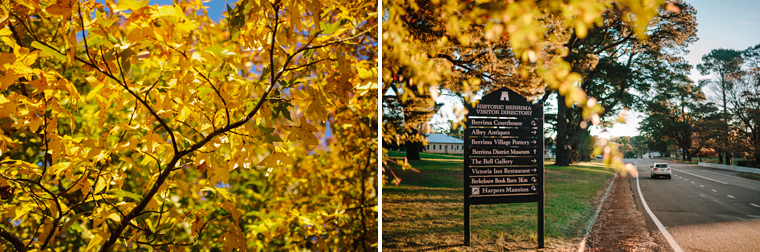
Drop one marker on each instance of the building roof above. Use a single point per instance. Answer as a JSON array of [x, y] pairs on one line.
[[442, 139]]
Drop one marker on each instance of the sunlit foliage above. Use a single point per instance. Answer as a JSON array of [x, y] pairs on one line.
[[466, 45], [129, 126]]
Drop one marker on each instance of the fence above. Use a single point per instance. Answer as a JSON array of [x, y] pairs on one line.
[[731, 167]]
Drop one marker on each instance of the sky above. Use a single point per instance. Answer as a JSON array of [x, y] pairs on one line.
[[728, 24], [215, 7]]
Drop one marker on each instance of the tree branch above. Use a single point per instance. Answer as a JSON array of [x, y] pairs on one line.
[[179, 154], [226, 110], [17, 244]]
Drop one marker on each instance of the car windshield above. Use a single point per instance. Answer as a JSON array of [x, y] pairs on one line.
[[661, 166]]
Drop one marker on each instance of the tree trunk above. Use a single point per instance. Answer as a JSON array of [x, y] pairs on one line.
[[720, 157], [413, 150], [687, 155], [729, 156], [725, 118], [563, 147]]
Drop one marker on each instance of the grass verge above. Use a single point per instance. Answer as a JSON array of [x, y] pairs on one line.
[[425, 211], [750, 176]]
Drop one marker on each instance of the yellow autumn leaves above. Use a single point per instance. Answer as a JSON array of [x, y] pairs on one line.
[[127, 125]]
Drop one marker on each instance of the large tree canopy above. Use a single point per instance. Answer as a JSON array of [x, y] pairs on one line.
[[468, 46], [726, 65], [130, 126], [616, 64]]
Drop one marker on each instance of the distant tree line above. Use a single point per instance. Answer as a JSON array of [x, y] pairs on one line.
[[719, 116]]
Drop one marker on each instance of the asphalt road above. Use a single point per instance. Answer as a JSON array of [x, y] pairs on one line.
[[702, 209]]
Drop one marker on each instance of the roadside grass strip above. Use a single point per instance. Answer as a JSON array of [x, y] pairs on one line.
[[425, 211], [750, 176]]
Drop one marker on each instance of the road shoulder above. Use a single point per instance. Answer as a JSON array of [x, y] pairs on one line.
[[621, 227]]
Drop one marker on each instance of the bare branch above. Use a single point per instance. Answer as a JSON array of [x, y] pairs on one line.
[[226, 110]]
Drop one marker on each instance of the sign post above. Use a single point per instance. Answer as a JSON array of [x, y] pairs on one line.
[[504, 154]]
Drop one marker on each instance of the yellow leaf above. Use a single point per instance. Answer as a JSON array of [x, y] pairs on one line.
[[306, 220], [218, 173], [167, 10], [306, 126], [152, 204], [114, 216], [9, 78], [61, 8], [94, 91], [233, 210], [135, 35], [185, 27], [60, 167], [197, 224], [83, 185], [129, 5], [100, 185], [233, 239], [308, 137], [95, 242], [315, 6], [134, 238], [183, 114], [34, 123], [46, 229], [196, 57], [6, 58], [47, 51], [317, 108], [275, 159]]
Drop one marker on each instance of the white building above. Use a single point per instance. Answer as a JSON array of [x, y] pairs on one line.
[[442, 143], [549, 153]]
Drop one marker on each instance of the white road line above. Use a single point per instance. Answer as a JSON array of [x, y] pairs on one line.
[[695, 175], [732, 176], [731, 197], [754, 205], [714, 190], [665, 233], [692, 182], [701, 186]]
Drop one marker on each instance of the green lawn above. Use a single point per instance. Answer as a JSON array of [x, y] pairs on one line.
[[750, 176], [401, 155], [425, 211]]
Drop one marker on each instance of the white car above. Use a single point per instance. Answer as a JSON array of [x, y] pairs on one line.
[[660, 169]]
